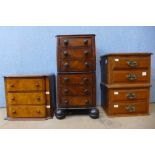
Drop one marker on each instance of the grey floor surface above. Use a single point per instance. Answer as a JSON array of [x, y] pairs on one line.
[[84, 122]]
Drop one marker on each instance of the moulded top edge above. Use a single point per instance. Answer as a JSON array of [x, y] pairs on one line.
[[75, 35], [127, 53], [23, 75]]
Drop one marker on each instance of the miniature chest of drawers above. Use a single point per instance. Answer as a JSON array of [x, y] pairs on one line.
[[125, 83], [30, 96], [76, 79]]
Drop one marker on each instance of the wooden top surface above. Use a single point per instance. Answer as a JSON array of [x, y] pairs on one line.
[[29, 75], [127, 54], [72, 35], [126, 85]]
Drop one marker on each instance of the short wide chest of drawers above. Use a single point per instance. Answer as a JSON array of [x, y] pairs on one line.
[[76, 79], [125, 83], [29, 96]]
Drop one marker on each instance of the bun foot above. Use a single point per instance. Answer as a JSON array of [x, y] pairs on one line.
[[94, 113], [60, 114]]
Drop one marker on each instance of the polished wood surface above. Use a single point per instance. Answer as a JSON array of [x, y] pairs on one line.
[[76, 65], [125, 83], [22, 111], [29, 97]]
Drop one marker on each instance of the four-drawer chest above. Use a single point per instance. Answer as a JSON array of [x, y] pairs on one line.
[[125, 83], [76, 78], [30, 96]]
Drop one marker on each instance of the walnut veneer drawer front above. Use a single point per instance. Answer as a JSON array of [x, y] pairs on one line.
[[76, 79], [26, 98], [134, 76], [22, 111], [76, 101], [24, 84], [129, 94], [75, 41], [78, 53], [77, 65], [76, 91], [129, 108], [131, 62]]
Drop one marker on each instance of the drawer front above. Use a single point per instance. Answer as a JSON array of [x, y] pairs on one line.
[[75, 79], [129, 108], [25, 84], [22, 111], [76, 53], [129, 94], [76, 91], [139, 76], [75, 42], [75, 102], [26, 98], [77, 65], [131, 62]]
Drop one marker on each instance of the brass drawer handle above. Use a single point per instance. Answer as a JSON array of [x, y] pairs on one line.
[[66, 102], [86, 92], [66, 91], [66, 80], [85, 41], [66, 65], [131, 77], [65, 42], [130, 108], [132, 63], [86, 53], [65, 53], [87, 64], [85, 80], [131, 95]]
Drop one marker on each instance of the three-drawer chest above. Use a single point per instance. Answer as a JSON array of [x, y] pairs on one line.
[[76, 78], [125, 83], [30, 96]]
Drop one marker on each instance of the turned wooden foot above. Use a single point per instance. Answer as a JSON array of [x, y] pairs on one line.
[[94, 113]]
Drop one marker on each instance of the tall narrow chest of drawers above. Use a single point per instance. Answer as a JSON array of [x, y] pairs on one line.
[[125, 83], [76, 79], [30, 96]]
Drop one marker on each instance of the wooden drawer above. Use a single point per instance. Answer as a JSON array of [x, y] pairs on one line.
[[22, 111], [131, 62], [25, 84], [77, 65], [78, 53], [26, 98], [75, 41], [129, 94], [75, 102], [129, 108], [76, 90], [76, 79], [134, 76]]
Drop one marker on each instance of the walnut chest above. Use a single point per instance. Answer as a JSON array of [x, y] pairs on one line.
[[30, 96], [76, 79], [125, 83]]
